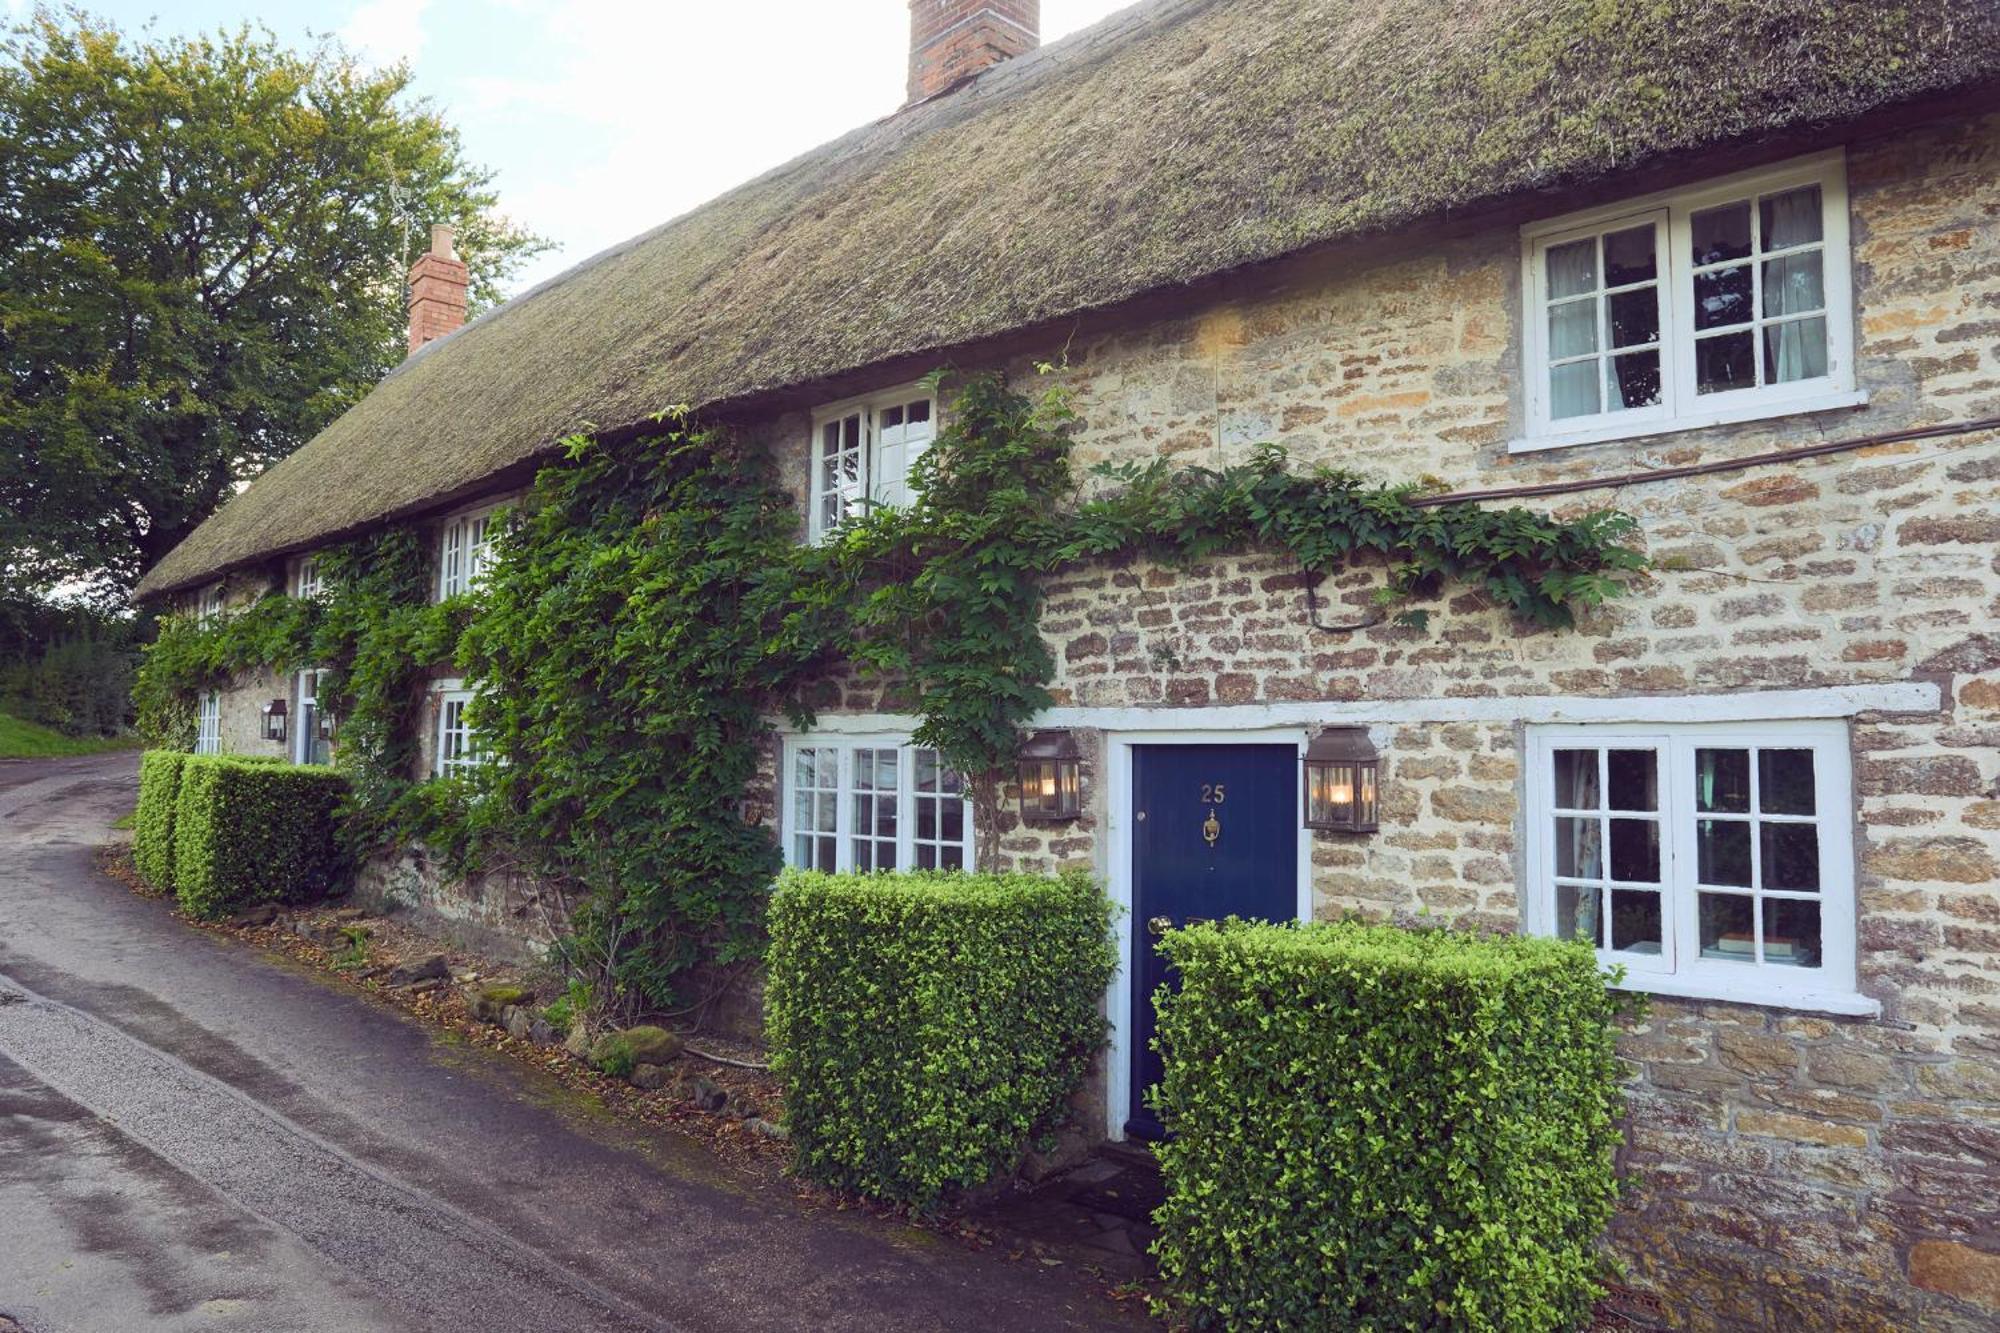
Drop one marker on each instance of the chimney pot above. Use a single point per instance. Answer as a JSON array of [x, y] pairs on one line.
[[952, 40], [437, 290]]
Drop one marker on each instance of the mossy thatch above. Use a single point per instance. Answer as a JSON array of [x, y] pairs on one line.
[[1175, 140]]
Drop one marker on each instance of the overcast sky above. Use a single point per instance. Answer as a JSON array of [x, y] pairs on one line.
[[606, 117]]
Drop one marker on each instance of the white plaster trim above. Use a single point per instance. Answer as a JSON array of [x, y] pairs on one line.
[[1914, 696]]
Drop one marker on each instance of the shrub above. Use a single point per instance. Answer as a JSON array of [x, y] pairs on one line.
[[153, 822], [246, 833], [929, 1026], [1385, 1129]]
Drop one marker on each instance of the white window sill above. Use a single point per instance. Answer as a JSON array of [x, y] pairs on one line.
[[1844, 1003], [1833, 400]]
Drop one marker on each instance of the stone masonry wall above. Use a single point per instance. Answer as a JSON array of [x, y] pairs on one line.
[[1790, 1170]]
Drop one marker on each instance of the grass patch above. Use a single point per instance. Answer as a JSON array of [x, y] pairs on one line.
[[127, 821], [26, 740]]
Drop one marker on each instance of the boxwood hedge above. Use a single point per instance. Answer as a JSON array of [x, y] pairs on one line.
[[1384, 1129], [247, 833], [929, 1026], [153, 823]]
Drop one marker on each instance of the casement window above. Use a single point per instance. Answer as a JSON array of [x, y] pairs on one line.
[[312, 741], [1724, 303], [307, 582], [1709, 860], [208, 724], [464, 550], [458, 749], [864, 453], [873, 805], [209, 605]]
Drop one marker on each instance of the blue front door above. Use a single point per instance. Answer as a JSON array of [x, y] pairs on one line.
[[1215, 833]]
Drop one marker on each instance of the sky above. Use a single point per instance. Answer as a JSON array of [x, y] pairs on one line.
[[604, 118]]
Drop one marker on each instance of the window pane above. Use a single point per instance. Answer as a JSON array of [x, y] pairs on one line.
[[951, 858], [891, 416], [1573, 390], [827, 819], [1572, 268], [1723, 852], [1722, 781], [1726, 928], [1576, 914], [1725, 363], [1794, 284], [954, 821], [1791, 218], [863, 855], [1790, 856], [1635, 783], [927, 819], [1722, 297], [1572, 328], [830, 439], [1577, 853], [1632, 380], [1795, 350], [1635, 316], [885, 817], [926, 858], [920, 411], [927, 770], [1628, 257], [1576, 779], [825, 859], [1785, 782], [1721, 233], [1635, 921], [1791, 932], [1635, 850]]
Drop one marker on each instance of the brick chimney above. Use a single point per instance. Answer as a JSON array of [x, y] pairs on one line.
[[952, 40], [437, 290]]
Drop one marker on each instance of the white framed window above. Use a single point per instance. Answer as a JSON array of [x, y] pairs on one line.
[[208, 724], [308, 583], [458, 748], [1725, 302], [1713, 860], [209, 605], [464, 551], [875, 804], [864, 453]]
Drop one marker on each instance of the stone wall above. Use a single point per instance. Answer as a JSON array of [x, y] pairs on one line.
[[1792, 1170]]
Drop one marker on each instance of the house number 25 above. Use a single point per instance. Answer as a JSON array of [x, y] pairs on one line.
[[1211, 793]]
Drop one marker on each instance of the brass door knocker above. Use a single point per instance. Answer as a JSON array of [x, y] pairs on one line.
[[1211, 828]]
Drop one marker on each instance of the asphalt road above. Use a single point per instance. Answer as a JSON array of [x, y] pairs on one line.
[[194, 1136]]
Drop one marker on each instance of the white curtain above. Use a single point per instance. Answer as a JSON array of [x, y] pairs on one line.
[[1794, 284]]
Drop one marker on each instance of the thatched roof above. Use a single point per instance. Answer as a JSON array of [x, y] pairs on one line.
[[1174, 141]]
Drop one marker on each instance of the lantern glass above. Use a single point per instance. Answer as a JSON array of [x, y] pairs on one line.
[[1051, 776], [1342, 777]]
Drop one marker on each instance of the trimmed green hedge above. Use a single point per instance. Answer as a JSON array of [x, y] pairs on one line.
[[153, 823], [929, 1026], [1384, 1129], [253, 832]]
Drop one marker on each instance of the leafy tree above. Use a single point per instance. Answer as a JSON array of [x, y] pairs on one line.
[[202, 250]]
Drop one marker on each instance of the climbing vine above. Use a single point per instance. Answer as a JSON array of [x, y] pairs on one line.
[[651, 606]]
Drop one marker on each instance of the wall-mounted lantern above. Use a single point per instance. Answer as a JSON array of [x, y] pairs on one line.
[[274, 721], [1051, 778], [1343, 773]]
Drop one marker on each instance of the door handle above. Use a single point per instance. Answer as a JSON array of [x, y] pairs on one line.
[[1159, 925]]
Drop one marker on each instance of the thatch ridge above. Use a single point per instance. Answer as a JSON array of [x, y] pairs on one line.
[[1174, 141]]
